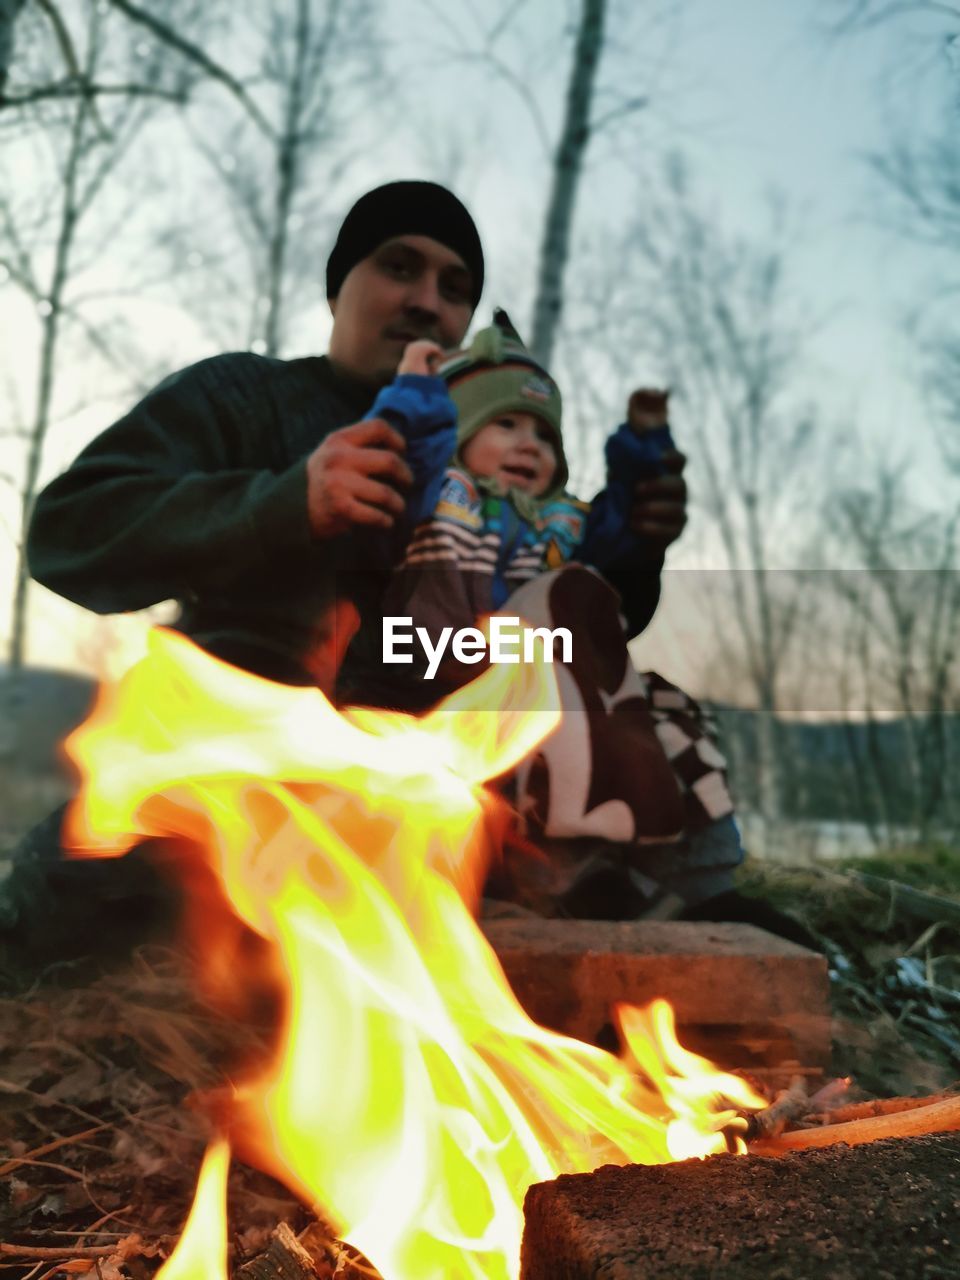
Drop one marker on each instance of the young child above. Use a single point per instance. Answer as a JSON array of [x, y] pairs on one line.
[[496, 531], [500, 514]]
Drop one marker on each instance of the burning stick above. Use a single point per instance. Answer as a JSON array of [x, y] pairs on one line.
[[939, 1117], [285, 1259], [790, 1104]]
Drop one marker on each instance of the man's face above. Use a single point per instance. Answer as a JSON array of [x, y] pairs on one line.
[[410, 287]]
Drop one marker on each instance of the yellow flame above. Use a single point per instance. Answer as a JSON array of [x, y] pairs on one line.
[[201, 1251], [685, 1081], [410, 1098]]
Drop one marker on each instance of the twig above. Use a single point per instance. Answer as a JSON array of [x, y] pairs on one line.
[[95, 1227], [165, 32], [52, 1164], [88, 1231], [50, 1253], [832, 1091], [55, 1145], [85, 89], [940, 1117], [876, 1107], [790, 1104], [10, 1087]]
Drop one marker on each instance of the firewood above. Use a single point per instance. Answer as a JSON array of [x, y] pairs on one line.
[[938, 1117], [285, 1258], [789, 1105], [875, 1107]]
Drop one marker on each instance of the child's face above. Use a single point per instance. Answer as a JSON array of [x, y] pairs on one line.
[[518, 449]]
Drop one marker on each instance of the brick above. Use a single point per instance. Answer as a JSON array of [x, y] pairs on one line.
[[887, 1210], [742, 996]]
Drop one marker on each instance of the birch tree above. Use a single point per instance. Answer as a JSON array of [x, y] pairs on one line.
[[604, 49], [85, 81], [919, 183], [900, 619], [712, 315], [9, 12], [76, 131], [277, 149], [565, 178]]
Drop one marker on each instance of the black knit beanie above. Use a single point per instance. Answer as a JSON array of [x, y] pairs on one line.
[[405, 208]]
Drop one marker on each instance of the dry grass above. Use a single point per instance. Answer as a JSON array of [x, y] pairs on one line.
[[106, 1092], [895, 974]]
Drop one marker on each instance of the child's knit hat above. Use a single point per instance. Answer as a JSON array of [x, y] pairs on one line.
[[496, 375]]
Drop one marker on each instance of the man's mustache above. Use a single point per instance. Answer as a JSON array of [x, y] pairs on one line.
[[410, 332], [414, 323]]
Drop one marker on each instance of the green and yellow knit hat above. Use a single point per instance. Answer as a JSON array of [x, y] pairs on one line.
[[496, 374]]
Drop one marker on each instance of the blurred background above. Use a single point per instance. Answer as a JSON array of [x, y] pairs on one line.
[[755, 204]]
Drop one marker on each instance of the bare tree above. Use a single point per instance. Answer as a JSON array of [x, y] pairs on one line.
[[901, 621], [713, 314], [850, 16], [43, 245], [49, 63], [920, 180], [565, 178], [88, 78], [301, 72], [600, 100], [9, 12], [922, 184]]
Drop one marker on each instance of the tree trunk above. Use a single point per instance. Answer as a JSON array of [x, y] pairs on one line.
[[567, 165], [9, 12], [69, 215], [288, 158]]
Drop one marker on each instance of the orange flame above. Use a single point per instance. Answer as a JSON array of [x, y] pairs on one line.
[[201, 1252], [410, 1099]]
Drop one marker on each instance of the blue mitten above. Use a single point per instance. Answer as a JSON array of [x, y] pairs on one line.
[[631, 456], [419, 407]]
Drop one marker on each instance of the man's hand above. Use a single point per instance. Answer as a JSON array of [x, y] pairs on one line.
[[659, 508], [354, 477]]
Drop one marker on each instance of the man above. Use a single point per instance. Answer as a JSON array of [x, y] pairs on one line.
[[249, 489]]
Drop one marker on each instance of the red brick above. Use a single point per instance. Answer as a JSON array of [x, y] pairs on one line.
[[741, 995]]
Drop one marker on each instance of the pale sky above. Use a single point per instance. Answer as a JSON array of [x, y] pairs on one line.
[[757, 97]]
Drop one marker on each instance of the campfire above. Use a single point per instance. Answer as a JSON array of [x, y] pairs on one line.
[[408, 1099]]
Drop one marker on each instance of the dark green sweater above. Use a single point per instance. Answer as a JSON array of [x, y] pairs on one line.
[[199, 494]]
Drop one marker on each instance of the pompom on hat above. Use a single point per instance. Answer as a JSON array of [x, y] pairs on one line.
[[495, 375], [405, 208]]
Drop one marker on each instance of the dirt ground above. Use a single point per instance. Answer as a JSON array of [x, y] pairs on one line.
[[102, 1129], [101, 1126], [102, 1115]]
